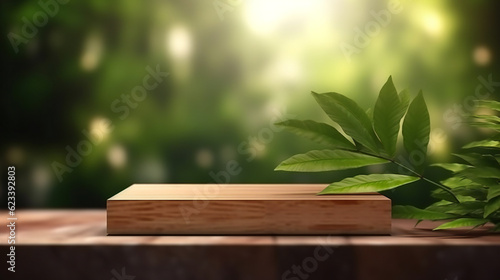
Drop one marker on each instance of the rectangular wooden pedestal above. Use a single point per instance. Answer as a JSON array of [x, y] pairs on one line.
[[245, 209]]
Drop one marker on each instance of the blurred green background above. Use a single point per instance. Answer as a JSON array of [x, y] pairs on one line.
[[234, 67]]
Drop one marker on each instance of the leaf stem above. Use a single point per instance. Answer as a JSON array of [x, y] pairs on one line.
[[415, 173], [442, 187], [405, 167]]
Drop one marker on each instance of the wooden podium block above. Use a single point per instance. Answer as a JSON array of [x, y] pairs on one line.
[[241, 209]]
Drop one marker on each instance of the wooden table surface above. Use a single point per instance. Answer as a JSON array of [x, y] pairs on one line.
[[72, 244], [80, 227]]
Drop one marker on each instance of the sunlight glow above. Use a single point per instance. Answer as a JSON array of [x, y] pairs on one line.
[[432, 23], [179, 42], [264, 17]]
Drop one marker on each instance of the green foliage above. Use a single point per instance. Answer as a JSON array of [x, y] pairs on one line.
[[318, 132], [410, 212], [369, 183], [328, 160], [489, 104], [479, 178], [454, 167], [463, 222], [387, 114], [416, 131], [483, 144], [492, 206], [470, 196], [463, 208], [353, 120]]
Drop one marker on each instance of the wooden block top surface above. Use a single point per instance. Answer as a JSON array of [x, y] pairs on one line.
[[235, 192]]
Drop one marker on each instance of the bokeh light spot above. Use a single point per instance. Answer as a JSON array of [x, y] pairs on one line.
[[100, 127], [91, 53], [117, 156], [204, 158], [15, 155], [482, 55]]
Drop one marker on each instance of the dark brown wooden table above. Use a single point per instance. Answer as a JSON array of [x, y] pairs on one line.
[[73, 244]]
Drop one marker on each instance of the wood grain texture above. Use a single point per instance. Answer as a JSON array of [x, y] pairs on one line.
[[245, 209], [88, 228], [73, 244]]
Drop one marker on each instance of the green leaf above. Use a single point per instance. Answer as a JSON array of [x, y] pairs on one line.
[[481, 181], [492, 206], [482, 172], [483, 144], [491, 104], [453, 167], [487, 119], [404, 97], [369, 113], [368, 183], [327, 160], [416, 131], [350, 117], [455, 182], [410, 212], [478, 193], [444, 195], [464, 208], [387, 116], [438, 204], [493, 191], [479, 160], [318, 132], [486, 125], [463, 222]]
